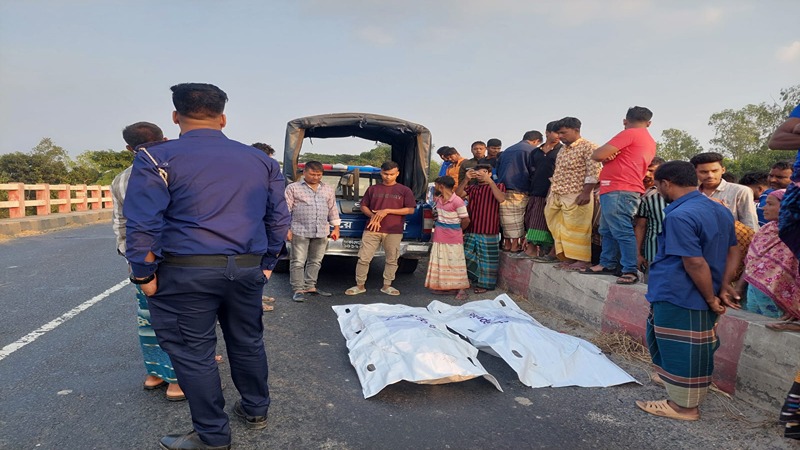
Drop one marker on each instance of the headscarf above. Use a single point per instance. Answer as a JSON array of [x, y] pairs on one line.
[[778, 193]]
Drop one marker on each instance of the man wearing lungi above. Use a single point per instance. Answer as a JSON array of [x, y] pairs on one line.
[[541, 165], [512, 170], [689, 289], [569, 207], [480, 237]]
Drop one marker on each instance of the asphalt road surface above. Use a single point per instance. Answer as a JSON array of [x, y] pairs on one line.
[[71, 374]]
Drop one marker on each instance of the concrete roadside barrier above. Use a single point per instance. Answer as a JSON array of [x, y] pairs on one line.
[[38, 224]]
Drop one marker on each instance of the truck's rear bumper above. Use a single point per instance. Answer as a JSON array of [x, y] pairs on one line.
[[350, 246]]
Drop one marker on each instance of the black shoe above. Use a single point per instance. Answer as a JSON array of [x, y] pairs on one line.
[[319, 292], [188, 441], [252, 422], [299, 297]]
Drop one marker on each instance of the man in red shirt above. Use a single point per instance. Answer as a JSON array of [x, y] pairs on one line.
[[386, 206], [625, 160]]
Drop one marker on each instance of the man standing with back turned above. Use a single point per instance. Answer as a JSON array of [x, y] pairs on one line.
[[206, 222]]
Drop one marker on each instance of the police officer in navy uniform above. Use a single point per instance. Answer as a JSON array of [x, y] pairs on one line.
[[207, 221]]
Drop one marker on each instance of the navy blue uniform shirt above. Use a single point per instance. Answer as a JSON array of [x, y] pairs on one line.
[[694, 225], [223, 198], [512, 166]]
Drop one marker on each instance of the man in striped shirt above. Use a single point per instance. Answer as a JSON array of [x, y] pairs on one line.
[[481, 236], [649, 218]]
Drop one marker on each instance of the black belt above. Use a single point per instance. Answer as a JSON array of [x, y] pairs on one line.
[[248, 260]]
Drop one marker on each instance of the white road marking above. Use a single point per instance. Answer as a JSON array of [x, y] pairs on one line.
[[49, 326]]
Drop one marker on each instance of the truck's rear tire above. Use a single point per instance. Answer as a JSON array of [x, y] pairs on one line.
[[406, 265]]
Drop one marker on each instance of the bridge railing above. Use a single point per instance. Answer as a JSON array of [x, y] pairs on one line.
[[43, 199]]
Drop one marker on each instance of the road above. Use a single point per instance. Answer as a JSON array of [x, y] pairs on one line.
[[76, 384]]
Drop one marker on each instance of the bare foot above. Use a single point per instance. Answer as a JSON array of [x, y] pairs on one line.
[[462, 295], [218, 358]]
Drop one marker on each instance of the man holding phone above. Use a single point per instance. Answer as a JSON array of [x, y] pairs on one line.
[[312, 204]]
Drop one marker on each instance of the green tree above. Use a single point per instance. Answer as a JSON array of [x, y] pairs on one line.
[[759, 161], [374, 157], [742, 134], [677, 144], [738, 132], [105, 164], [45, 163], [433, 171]]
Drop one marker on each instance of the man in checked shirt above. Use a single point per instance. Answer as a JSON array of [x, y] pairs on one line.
[[312, 204]]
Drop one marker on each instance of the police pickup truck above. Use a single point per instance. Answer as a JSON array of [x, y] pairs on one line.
[[410, 149]]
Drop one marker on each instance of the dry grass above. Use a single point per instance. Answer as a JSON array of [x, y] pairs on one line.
[[619, 343]]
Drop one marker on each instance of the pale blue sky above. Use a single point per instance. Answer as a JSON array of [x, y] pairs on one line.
[[79, 71]]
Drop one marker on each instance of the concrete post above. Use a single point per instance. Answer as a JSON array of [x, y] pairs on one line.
[[43, 195]]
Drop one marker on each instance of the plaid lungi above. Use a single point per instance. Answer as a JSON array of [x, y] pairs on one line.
[[682, 343], [512, 214], [538, 233], [483, 259]]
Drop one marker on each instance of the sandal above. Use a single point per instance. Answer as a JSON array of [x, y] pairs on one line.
[[662, 408], [388, 290], [479, 290], [462, 296], [355, 290], [628, 278], [266, 307], [264, 298], [603, 271], [545, 259]]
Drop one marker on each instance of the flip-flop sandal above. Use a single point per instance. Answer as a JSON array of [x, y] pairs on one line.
[[266, 307], [662, 409], [784, 326], [480, 290], [628, 278], [603, 271], [355, 290], [545, 259], [264, 298], [390, 291]]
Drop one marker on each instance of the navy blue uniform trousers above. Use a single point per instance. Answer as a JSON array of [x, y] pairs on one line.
[[184, 312]]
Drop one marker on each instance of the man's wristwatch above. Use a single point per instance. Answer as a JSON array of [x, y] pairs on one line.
[[144, 280]]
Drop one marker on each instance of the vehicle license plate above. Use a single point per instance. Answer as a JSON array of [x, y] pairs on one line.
[[352, 244]]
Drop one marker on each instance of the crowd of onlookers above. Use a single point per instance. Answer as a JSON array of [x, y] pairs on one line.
[[707, 240], [596, 210]]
